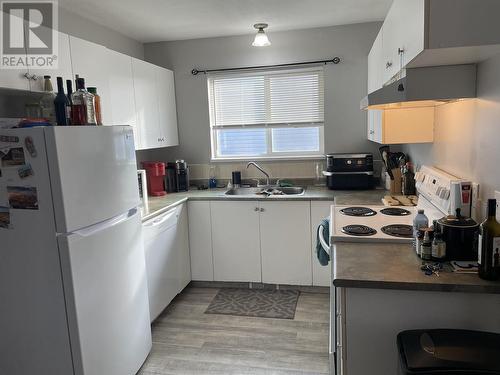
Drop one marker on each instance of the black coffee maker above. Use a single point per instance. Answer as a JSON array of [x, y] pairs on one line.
[[182, 175]]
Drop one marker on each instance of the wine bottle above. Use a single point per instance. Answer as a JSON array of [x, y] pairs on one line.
[[489, 245], [61, 104], [69, 89]]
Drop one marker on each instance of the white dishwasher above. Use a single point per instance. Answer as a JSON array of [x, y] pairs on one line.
[[164, 256]]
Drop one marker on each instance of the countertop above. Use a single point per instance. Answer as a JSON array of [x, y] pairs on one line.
[[158, 205], [396, 266]]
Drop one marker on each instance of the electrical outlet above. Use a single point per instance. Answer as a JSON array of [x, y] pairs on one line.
[[497, 197]]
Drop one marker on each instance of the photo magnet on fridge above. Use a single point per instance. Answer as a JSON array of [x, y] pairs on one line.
[[4, 217], [22, 197], [30, 146], [15, 156], [9, 139], [25, 171]]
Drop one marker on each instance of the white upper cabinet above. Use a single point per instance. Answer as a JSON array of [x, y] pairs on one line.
[[63, 66], [121, 92], [155, 105], [402, 35], [418, 33], [146, 103], [167, 109], [89, 61], [375, 77]]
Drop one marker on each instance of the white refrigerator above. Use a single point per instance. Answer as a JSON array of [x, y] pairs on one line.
[[73, 290]]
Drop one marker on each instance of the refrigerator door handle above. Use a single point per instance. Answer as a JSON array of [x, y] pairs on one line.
[[93, 229]]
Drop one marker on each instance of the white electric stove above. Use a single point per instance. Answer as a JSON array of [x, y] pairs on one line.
[[440, 194], [372, 223]]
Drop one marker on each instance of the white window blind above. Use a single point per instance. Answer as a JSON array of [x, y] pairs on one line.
[[271, 114]]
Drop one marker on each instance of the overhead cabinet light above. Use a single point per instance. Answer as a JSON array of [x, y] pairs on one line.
[[261, 39], [425, 87]]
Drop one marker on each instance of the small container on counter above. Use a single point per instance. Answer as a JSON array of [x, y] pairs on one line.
[[236, 179], [212, 179], [418, 242], [426, 246], [438, 247], [420, 221]]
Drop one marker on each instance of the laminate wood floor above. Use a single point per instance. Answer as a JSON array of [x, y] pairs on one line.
[[187, 341]]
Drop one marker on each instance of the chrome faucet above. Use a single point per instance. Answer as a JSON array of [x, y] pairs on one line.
[[268, 179]]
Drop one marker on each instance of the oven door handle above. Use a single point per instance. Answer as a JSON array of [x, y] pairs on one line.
[[324, 245]]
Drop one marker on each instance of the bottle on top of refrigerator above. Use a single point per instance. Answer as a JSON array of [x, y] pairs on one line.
[[420, 221], [69, 89], [489, 245], [61, 103], [79, 104], [47, 101], [97, 105]]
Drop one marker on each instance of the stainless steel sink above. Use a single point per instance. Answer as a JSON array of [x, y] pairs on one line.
[[267, 191], [244, 191], [292, 190]]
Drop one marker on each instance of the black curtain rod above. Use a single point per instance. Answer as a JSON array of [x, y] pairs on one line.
[[335, 61]]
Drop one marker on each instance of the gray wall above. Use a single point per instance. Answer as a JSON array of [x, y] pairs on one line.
[[467, 134], [345, 84], [73, 24]]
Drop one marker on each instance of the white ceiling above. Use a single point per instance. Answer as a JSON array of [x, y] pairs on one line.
[[164, 20]]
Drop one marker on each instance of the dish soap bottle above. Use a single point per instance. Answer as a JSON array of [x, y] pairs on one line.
[[489, 245]]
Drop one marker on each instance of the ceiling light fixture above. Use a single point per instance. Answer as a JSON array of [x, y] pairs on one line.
[[261, 39]]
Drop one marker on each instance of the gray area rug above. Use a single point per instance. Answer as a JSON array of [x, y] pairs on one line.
[[260, 303]]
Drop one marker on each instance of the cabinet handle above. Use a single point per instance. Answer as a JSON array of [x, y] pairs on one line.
[[262, 210], [256, 209], [388, 64]]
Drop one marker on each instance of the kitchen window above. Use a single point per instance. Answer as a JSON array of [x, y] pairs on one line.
[[275, 114]]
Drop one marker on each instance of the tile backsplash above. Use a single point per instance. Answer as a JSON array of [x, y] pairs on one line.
[[299, 169]]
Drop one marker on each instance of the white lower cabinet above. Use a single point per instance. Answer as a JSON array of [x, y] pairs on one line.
[[285, 232], [321, 275], [253, 241], [235, 239], [182, 248], [166, 250], [200, 241]]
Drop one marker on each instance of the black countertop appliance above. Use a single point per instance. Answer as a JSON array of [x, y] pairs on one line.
[[349, 171], [461, 236]]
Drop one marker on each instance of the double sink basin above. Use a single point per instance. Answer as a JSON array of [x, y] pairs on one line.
[[266, 191]]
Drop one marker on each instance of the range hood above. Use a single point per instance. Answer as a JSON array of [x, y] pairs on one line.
[[425, 87]]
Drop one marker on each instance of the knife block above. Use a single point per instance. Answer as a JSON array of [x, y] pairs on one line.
[[396, 184]]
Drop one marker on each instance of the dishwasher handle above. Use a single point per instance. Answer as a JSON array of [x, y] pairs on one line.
[[162, 219]]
